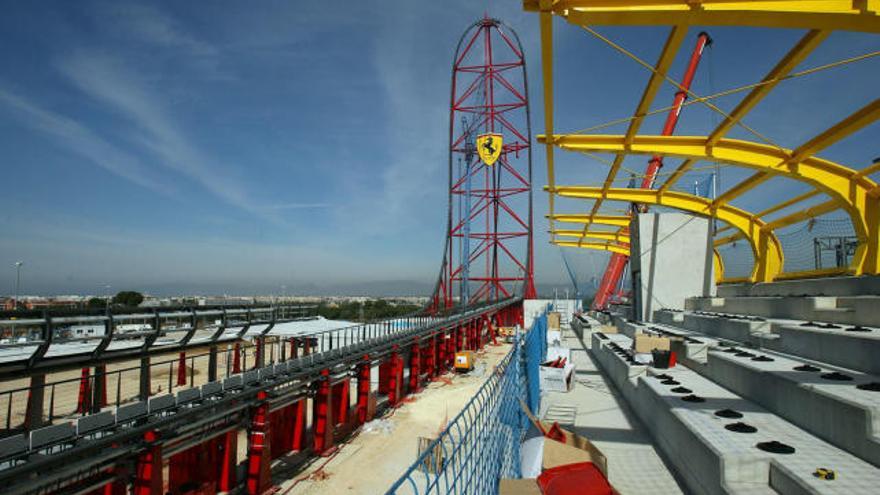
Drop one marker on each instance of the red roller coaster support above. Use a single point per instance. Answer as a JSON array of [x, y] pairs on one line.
[[414, 367], [341, 402], [488, 248], [430, 353], [322, 415], [363, 391], [84, 399], [181, 369], [236, 358], [148, 477], [228, 462], [442, 349], [617, 263], [259, 449]]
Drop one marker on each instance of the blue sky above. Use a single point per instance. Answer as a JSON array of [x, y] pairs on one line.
[[184, 146]]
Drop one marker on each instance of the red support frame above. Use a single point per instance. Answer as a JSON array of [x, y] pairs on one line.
[[236, 358], [181, 369], [259, 448], [322, 415], [363, 391], [85, 392], [341, 402], [148, 474], [415, 383], [228, 462], [488, 251]]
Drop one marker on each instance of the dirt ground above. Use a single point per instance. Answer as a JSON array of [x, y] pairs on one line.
[[371, 461]]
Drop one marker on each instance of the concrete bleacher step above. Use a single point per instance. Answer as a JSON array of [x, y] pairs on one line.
[[844, 310], [679, 407], [852, 347], [839, 405]]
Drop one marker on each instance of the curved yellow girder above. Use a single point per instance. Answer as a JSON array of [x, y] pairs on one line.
[[765, 245], [854, 192], [594, 234], [614, 220], [601, 246]]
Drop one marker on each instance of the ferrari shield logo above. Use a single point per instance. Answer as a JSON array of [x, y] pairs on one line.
[[489, 147]]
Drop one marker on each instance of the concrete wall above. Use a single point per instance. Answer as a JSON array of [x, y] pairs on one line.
[[671, 260]]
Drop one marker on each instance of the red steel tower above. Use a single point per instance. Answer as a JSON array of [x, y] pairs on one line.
[[488, 249]]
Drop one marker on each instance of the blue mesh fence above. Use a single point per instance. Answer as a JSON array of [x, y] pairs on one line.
[[481, 445]]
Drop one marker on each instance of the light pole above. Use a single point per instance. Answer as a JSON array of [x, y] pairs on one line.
[[107, 291], [17, 283]]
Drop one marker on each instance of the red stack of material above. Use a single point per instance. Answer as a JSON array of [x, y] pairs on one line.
[[580, 478]]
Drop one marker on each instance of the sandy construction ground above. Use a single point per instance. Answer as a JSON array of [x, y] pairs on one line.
[[371, 461]]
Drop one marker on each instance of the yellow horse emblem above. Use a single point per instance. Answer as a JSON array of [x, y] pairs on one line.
[[489, 147]]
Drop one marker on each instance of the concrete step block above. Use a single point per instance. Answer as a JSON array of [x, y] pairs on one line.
[[808, 395], [714, 459]]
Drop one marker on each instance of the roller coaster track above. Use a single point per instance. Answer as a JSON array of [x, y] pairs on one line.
[[100, 449]]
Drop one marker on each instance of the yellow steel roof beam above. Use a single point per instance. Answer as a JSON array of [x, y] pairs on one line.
[[619, 237], [546, 24], [765, 246], [851, 190], [602, 246], [846, 15], [618, 221]]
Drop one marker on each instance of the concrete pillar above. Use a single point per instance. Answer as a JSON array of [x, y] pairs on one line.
[[672, 260]]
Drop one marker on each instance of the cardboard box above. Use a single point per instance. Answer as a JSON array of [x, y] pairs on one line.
[[553, 320], [570, 449], [556, 379], [647, 343], [526, 486]]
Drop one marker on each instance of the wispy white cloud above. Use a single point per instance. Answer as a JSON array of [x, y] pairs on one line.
[[81, 140], [148, 24], [297, 206], [111, 82]]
